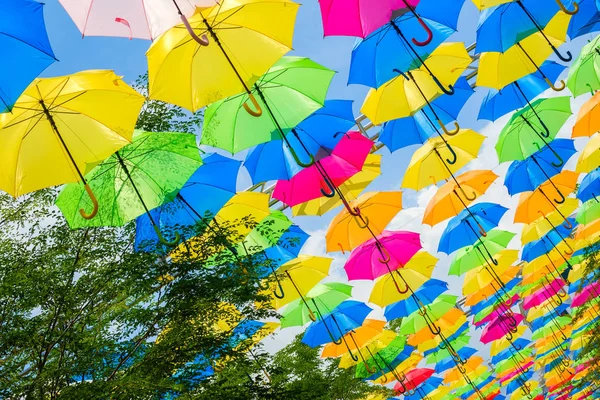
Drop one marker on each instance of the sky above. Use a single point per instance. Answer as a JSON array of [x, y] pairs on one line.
[[127, 58]]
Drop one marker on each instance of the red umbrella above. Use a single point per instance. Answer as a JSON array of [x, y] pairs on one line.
[[413, 379]]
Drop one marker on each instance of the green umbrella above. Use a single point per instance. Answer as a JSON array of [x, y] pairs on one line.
[[383, 359], [436, 310], [550, 328], [139, 177], [442, 354], [588, 212], [470, 257], [488, 310], [584, 74], [478, 381], [289, 92], [265, 234], [326, 296], [523, 135]]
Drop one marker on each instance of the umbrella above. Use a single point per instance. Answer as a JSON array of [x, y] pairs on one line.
[[471, 257], [199, 200], [373, 211], [497, 70], [327, 173], [412, 379], [426, 294], [449, 349], [525, 133], [321, 299], [589, 212], [547, 222], [518, 94], [370, 329], [416, 129], [584, 74], [290, 91], [470, 368], [25, 42], [527, 175], [545, 293], [556, 238], [588, 118], [136, 179], [181, 59], [502, 326], [476, 279], [448, 201], [319, 131], [387, 252], [331, 328], [413, 89], [350, 189], [145, 19], [439, 159], [589, 159], [452, 324], [68, 124], [587, 231], [460, 231], [436, 310]]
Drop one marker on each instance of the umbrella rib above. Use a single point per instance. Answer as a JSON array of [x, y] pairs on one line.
[[29, 45]]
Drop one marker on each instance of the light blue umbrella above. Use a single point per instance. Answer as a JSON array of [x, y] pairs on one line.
[[426, 294], [332, 327], [587, 20], [589, 188]]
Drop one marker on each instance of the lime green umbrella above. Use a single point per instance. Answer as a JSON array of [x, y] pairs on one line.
[[468, 388], [470, 257], [488, 310], [532, 128], [436, 310], [265, 234], [510, 364], [584, 74], [139, 177], [382, 359], [550, 328], [442, 354], [588, 212], [289, 92], [324, 297]]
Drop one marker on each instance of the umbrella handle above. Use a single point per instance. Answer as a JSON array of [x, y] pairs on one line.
[[281, 293], [338, 133], [564, 9], [568, 58], [562, 199], [250, 111], [403, 386], [362, 222], [449, 91], [555, 88], [297, 159], [94, 203], [567, 224], [592, 92], [396, 283], [446, 131], [202, 41], [330, 186], [454, 157], [509, 335], [405, 76], [427, 29], [465, 194], [162, 238], [385, 254]]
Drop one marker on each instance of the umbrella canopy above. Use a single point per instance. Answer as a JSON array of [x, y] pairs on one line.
[[327, 173], [462, 230], [23, 39], [558, 238], [178, 63], [500, 327], [439, 159], [412, 90], [136, 179], [524, 134], [436, 310], [547, 222], [588, 118], [471, 257], [377, 209], [451, 198], [479, 278], [347, 316], [68, 124], [584, 74], [412, 379], [544, 294], [369, 330], [589, 212], [589, 157], [290, 91], [426, 294], [387, 252]]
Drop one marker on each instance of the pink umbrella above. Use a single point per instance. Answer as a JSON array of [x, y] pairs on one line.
[[361, 17], [497, 311], [546, 293], [327, 173], [503, 325], [412, 379], [588, 292], [378, 256]]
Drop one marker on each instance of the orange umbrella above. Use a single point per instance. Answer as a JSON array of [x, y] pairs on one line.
[[451, 198], [450, 323], [472, 366], [587, 231], [541, 200], [370, 329], [547, 222], [588, 118]]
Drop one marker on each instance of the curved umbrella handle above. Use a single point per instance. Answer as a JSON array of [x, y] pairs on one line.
[[567, 224], [202, 41], [562, 198], [310, 162], [162, 238], [337, 342], [509, 335], [281, 293], [396, 283], [454, 157], [566, 58], [555, 88], [564, 9], [250, 111], [331, 188], [433, 328], [446, 131], [429, 34], [450, 90], [362, 221], [403, 389], [592, 91], [482, 231], [405, 76], [386, 256], [335, 135], [465, 194], [94, 203]]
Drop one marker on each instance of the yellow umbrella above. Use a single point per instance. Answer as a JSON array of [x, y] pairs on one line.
[[491, 288], [577, 273], [502, 344], [589, 159], [375, 211], [367, 348], [437, 160], [483, 4], [552, 259], [351, 189], [370, 329], [547, 222], [479, 277], [496, 70], [221, 51], [426, 340], [60, 128], [472, 367], [588, 230], [412, 90], [415, 273], [406, 365]]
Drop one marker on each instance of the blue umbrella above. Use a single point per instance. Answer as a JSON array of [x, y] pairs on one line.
[[479, 384], [587, 20], [505, 25], [518, 94], [542, 321], [286, 249], [527, 175], [203, 195], [404, 132], [548, 242], [589, 188], [519, 344], [332, 327], [426, 294], [469, 225], [465, 353], [25, 47], [321, 130]]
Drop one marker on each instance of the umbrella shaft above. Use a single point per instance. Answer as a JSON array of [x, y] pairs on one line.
[[137, 192]]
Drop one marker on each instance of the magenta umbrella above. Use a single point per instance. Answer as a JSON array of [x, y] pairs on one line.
[[385, 253], [546, 293], [327, 173], [361, 17], [503, 325], [586, 294]]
